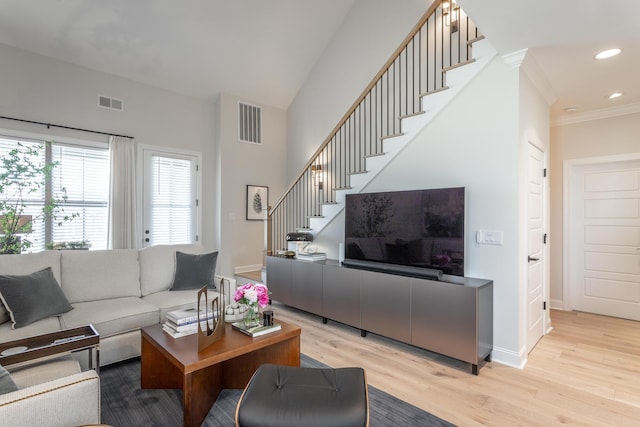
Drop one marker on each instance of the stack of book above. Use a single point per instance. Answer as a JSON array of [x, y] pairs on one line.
[[318, 256], [255, 331], [181, 323]]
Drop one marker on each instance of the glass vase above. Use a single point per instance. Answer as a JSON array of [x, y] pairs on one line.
[[251, 316]]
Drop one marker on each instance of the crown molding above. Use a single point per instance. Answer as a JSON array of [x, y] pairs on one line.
[[529, 66], [602, 113], [514, 59]]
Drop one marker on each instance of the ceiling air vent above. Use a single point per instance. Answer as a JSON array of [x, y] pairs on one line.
[[249, 123], [110, 103]]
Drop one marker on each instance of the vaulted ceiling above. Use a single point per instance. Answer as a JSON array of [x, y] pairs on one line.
[[264, 50]]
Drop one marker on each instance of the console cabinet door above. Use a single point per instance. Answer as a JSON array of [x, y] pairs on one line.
[[306, 286], [386, 305], [443, 319], [341, 295], [279, 279]]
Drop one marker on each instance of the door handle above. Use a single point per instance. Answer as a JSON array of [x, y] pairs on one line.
[[530, 258]]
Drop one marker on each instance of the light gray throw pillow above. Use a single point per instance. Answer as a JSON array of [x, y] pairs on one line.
[[32, 297], [194, 271]]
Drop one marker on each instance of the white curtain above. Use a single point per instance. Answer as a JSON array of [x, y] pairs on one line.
[[122, 203]]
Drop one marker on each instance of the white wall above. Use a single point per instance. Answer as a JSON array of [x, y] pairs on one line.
[[534, 128], [594, 138], [244, 164], [370, 33], [472, 143], [38, 88]]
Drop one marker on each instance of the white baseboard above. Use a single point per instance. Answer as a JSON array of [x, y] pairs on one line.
[[247, 268], [556, 304], [509, 358]]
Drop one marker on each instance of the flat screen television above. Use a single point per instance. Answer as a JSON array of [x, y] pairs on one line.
[[415, 228]]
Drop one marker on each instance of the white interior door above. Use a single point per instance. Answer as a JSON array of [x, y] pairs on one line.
[[535, 246], [605, 239]]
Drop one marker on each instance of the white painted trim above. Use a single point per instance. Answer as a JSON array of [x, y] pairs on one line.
[[602, 113], [568, 167], [140, 150], [247, 268], [556, 304], [514, 59], [509, 358]]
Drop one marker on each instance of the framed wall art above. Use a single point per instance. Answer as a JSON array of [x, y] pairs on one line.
[[257, 202]]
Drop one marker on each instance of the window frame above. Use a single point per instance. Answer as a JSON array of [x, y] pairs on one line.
[[57, 139]]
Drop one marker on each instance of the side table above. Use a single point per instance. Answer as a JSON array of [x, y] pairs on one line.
[[65, 341]]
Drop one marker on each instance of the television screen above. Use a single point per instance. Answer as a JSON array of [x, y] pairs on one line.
[[417, 228]]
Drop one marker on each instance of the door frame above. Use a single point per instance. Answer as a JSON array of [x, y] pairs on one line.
[[568, 168], [141, 176]]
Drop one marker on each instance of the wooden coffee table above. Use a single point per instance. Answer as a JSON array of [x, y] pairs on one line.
[[168, 362]]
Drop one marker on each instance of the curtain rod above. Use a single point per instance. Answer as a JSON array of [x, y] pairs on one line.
[[49, 125]]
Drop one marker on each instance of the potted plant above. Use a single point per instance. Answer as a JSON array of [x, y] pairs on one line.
[[24, 173], [77, 245]]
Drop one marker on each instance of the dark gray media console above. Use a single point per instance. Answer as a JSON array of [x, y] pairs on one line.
[[452, 316]]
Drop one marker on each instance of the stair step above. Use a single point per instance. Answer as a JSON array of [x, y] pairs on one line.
[[417, 113], [374, 155], [431, 92], [395, 135], [477, 39], [357, 173], [458, 65], [342, 188]]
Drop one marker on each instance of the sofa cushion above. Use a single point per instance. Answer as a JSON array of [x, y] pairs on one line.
[[176, 300], [99, 275], [7, 385], [32, 297], [112, 316], [43, 371], [194, 271], [158, 265], [44, 326], [27, 264]]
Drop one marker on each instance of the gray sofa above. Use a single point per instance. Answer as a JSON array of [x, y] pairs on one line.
[[118, 291]]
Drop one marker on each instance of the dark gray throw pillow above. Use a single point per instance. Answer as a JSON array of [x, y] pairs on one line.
[[6, 382], [194, 271], [32, 297]]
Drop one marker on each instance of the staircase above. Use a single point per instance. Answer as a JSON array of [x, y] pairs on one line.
[[441, 55]]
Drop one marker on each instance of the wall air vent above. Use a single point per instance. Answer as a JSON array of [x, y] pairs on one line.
[[249, 123], [110, 103]]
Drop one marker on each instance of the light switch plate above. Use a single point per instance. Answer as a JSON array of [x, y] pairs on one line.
[[490, 237]]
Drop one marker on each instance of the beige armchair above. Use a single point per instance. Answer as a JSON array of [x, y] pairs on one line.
[[52, 393]]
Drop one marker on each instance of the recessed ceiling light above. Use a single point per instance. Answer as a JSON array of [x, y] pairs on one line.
[[615, 95], [609, 53]]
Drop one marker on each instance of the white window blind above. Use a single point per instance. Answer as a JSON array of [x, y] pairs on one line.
[[84, 172], [172, 218]]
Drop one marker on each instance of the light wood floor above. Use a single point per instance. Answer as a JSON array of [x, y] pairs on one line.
[[585, 372]]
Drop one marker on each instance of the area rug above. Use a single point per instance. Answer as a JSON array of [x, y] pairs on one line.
[[125, 404]]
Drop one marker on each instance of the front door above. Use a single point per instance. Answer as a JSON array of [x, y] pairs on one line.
[[535, 247], [605, 238]]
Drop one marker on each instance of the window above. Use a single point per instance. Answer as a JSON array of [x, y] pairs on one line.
[[170, 183], [83, 173]]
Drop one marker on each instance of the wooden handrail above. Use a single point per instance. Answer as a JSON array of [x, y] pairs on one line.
[[362, 96]]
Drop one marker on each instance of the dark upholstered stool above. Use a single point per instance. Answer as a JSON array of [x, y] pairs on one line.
[[285, 396]]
